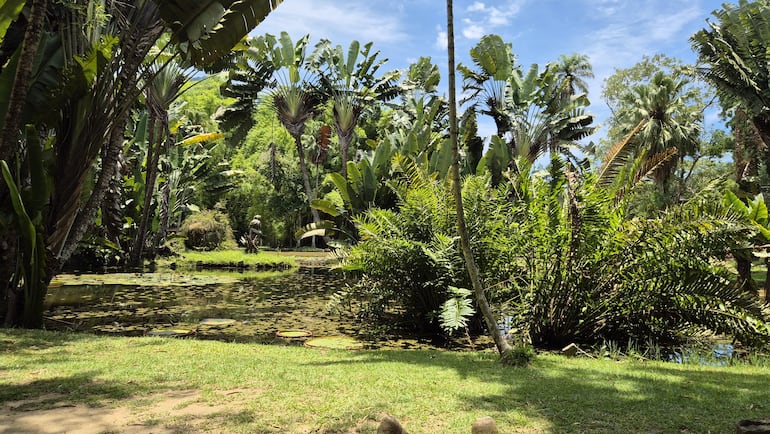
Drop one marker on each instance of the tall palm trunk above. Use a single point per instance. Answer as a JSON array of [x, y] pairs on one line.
[[470, 262], [164, 211], [22, 80]]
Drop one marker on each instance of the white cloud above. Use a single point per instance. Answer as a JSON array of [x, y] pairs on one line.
[[626, 31], [476, 7], [473, 31], [605, 7], [442, 40], [481, 17], [322, 19]]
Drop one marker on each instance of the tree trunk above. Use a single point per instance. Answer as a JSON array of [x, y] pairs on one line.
[[744, 273], [151, 174], [767, 281], [470, 262], [305, 174], [163, 214], [85, 219], [345, 137]]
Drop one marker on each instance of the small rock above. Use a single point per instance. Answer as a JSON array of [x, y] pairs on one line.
[[570, 350], [754, 427], [484, 425], [389, 425]]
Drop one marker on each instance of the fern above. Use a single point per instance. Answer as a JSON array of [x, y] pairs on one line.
[[456, 311]]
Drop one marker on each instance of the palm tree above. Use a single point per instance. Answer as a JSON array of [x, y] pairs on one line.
[[542, 117], [165, 87], [502, 345], [669, 122], [352, 85], [295, 99], [489, 84], [571, 72]]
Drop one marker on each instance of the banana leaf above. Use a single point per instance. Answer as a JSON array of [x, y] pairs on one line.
[[9, 11]]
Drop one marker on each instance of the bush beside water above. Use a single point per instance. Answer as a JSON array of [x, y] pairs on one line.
[[206, 230]]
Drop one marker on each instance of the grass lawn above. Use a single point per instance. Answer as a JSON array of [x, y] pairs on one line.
[[168, 385], [235, 257]]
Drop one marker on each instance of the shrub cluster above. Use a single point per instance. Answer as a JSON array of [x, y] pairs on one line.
[[205, 230], [561, 260]]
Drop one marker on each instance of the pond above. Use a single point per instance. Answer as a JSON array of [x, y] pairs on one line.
[[258, 305]]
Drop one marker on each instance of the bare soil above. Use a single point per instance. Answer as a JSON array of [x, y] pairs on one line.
[[166, 413]]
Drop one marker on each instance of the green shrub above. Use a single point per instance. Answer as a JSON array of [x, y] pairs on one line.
[[585, 272], [408, 259], [206, 230], [560, 256]]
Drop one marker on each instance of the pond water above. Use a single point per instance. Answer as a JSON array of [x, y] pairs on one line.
[[261, 305]]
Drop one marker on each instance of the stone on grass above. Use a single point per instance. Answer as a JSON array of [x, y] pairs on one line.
[[389, 425], [484, 425]]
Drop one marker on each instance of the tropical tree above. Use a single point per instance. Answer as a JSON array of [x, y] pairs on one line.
[[571, 72], [352, 85], [488, 84], [92, 71], [503, 347], [294, 93], [671, 123], [733, 58], [166, 86], [543, 117]]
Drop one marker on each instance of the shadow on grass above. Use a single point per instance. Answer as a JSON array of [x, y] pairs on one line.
[[584, 395], [53, 392]]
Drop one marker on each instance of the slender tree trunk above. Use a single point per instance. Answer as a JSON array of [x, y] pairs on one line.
[[345, 138], [470, 262], [743, 265], [767, 281], [305, 175], [163, 214], [151, 174]]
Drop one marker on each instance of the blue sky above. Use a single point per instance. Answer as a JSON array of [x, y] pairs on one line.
[[613, 33]]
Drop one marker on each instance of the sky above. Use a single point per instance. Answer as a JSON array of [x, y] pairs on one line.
[[612, 33]]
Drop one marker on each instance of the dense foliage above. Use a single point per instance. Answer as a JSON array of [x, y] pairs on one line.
[[636, 247], [562, 258]]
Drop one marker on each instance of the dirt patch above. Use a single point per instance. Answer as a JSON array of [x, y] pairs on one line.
[[171, 412]]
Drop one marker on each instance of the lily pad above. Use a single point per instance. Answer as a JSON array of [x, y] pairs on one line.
[[294, 334], [217, 321], [171, 333], [334, 343]]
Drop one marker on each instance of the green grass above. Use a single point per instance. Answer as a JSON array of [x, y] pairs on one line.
[[291, 389], [189, 259]]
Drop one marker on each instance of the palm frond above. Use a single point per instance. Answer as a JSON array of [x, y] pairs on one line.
[[618, 156]]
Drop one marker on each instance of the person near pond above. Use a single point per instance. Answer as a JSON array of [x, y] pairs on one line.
[[254, 238]]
